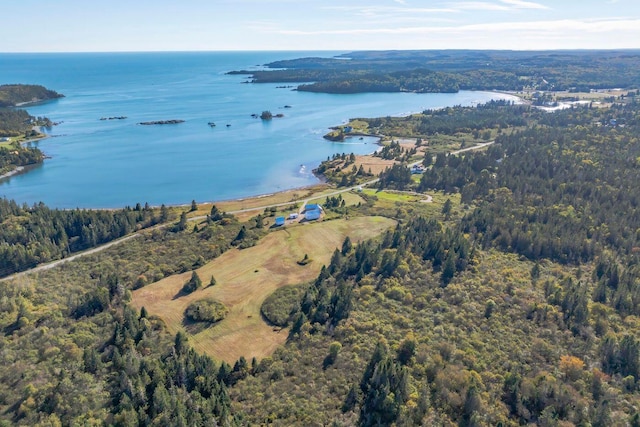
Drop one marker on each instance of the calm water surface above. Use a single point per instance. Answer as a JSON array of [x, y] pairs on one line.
[[115, 163]]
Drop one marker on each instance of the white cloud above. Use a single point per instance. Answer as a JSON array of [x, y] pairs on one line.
[[384, 10], [521, 4], [560, 27], [479, 5], [502, 5]]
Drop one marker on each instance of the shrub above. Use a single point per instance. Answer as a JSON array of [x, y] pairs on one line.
[[281, 305], [206, 310]]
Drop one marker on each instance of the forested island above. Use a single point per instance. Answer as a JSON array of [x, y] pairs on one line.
[[453, 70], [486, 273]]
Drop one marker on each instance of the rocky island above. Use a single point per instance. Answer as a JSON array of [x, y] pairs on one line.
[[162, 122], [267, 115], [114, 118]]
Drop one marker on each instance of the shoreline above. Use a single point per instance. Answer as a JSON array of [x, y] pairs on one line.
[[41, 135], [25, 168], [9, 174], [320, 186]]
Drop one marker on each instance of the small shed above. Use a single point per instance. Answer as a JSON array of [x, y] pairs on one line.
[[279, 221]]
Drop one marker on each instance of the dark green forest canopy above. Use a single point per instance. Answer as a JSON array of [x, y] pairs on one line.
[[30, 235], [453, 70]]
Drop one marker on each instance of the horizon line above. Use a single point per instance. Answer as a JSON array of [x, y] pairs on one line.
[[321, 50]]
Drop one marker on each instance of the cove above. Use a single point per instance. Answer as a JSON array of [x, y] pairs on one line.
[[114, 163]]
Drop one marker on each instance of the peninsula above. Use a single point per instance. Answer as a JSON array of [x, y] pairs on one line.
[[19, 95], [18, 126], [441, 71]]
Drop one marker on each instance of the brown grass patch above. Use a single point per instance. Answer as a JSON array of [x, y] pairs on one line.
[[245, 279], [375, 164]]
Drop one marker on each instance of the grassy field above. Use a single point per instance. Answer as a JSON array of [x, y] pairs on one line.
[[372, 164], [389, 196], [350, 199], [244, 280], [425, 204]]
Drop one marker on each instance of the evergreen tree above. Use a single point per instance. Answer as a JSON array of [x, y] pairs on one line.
[[346, 246], [182, 224], [447, 208], [164, 213], [193, 284], [215, 214], [449, 268]]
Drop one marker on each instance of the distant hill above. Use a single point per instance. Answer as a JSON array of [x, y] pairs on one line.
[[424, 71]]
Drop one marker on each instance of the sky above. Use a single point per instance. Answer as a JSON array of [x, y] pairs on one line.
[[335, 25]]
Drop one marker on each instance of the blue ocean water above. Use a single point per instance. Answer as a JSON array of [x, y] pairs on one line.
[[104, 164]]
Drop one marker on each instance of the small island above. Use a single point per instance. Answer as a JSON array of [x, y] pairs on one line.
[[268, 115], [162, 122], [114, 118]]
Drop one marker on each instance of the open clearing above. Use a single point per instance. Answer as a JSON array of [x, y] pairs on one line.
[[350, 199], [373, 164], [244, 280]]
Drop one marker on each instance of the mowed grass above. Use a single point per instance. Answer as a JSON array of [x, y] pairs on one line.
[[245, 278], [393, 197]]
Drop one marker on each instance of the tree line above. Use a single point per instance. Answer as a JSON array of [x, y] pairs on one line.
[[31, 235]]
